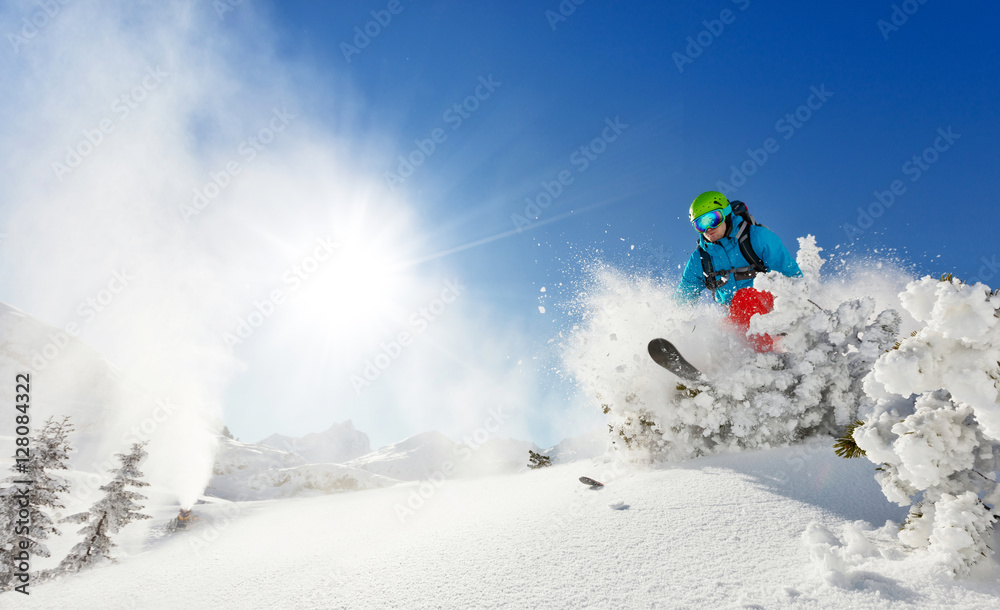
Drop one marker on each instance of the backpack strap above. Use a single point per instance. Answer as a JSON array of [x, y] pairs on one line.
[[716, 279], [743, 237], [713, 279]]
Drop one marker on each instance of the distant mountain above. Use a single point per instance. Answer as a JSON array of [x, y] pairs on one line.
[[415, 458], [338, 444], [247, 471]]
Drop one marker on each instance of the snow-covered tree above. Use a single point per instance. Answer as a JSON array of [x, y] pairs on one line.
[[942, 458], [108, 515], [811, 385], [20, 504]]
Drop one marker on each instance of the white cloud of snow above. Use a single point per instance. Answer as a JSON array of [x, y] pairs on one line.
[[160, 175]]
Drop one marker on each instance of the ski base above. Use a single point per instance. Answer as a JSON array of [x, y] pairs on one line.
[[665, 354]]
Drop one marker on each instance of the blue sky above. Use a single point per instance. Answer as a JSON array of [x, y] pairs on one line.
[[887, 100], [692, 89]]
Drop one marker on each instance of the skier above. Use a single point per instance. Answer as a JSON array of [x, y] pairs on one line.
[[732, 250]]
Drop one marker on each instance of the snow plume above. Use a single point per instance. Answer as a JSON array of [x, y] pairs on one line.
[[811, 386], [943, 453], [151, 157]]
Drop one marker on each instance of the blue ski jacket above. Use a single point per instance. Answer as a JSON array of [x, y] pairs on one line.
[[726, 254]]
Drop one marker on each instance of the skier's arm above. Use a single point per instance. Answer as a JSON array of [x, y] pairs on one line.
[[773, 252], [692, 280]]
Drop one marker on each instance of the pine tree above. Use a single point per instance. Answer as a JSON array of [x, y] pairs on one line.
[[845, 446], [537, 460], [109, 514], [48, 451], [941, 459]]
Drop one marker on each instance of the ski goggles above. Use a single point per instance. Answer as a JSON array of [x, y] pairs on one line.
[[710, 220]]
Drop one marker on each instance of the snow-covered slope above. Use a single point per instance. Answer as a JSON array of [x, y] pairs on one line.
[[338, 444], [432, 455], [256, 472], [784, 528]]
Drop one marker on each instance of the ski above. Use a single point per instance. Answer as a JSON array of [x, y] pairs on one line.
[[593, 484], [666, 355]]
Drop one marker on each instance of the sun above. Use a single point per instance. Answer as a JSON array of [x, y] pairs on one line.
[[369, 274], [357, 293]]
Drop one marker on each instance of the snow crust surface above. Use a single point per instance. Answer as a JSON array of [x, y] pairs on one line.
[[785, 528]]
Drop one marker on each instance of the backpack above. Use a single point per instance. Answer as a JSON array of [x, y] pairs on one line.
[[716, 279]]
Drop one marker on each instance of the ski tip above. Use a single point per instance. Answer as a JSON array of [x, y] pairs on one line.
[[589, 481]]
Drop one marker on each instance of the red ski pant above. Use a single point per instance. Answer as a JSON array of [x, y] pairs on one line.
[[746, 303]]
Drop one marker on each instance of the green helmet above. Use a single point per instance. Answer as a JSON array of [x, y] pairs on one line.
[[706, 202]]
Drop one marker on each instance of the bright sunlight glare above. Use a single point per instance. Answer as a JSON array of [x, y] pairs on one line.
[[357, 292]]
